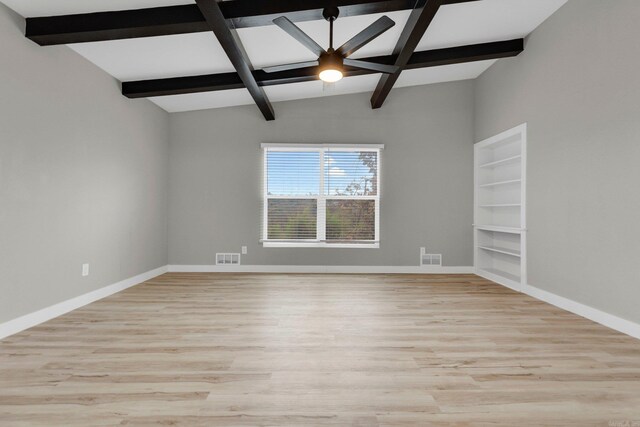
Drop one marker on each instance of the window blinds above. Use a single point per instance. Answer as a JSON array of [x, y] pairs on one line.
[[321, 195]]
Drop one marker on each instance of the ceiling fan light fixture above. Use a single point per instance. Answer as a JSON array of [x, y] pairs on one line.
[[331, 68], [330, 76]]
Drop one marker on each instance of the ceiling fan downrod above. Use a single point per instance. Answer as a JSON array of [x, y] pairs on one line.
[[330, 14]]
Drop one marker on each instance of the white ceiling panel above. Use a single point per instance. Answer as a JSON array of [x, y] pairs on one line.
[[203, 100], [446, 73], [158, 57], [200, 53], [486, 20]]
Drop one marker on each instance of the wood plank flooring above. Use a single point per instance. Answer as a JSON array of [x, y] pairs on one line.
[[319, 350]]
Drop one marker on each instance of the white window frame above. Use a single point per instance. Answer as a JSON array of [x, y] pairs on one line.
[[320, 241]]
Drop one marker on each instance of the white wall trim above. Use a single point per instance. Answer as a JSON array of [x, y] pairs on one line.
[[609, 320], [350, 269], [32, 319]]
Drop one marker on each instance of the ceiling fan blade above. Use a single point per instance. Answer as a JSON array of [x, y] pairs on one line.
[[295, 32], [373, 66], [287, 67], [366, 35]]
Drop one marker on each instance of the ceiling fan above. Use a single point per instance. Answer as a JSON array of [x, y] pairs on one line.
[[332, 61]]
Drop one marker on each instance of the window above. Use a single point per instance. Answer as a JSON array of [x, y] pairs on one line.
[[321, 196]]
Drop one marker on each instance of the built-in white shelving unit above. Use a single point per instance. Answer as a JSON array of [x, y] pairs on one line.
[[500, 226]]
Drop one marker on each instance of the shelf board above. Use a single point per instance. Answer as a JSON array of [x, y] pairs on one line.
[[501, 273], [511, 230], [493, 184], [500, 162], [505, 251], [502, 205]]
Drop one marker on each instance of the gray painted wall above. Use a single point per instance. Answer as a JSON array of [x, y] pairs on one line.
[[426, 177], [83, 176], [578, 87]]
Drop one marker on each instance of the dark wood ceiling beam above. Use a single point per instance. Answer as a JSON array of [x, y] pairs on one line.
[[163, 21], [417, 24], [226, 81], [232, 46]]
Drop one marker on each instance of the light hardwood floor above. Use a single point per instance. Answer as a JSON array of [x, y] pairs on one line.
[[317, 350]]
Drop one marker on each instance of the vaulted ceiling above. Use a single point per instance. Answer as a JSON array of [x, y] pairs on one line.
[[156, 57]]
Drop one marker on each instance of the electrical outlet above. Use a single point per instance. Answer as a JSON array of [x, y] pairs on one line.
[[85, 270], [244, 250]]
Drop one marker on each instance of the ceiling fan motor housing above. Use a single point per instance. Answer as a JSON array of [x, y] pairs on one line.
[[331, 61]]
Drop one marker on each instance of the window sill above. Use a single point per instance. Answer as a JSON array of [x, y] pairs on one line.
[[320, 245]]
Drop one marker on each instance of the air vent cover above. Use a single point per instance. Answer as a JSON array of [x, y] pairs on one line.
[[430, 259], [227, 259]]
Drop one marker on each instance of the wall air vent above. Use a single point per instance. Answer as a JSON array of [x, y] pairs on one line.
[[430, 259], [227, 259]]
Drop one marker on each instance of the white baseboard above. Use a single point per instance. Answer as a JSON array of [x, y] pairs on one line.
[[347, 269], [609, 320], [29, 320], [498, 279]]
